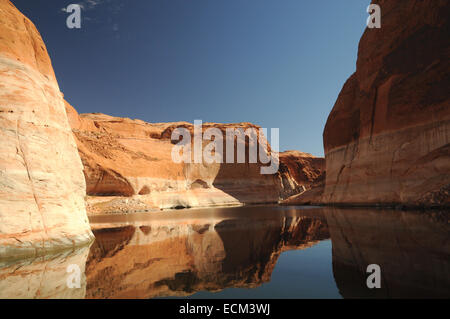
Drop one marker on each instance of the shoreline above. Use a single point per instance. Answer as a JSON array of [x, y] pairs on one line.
[[154, 210]]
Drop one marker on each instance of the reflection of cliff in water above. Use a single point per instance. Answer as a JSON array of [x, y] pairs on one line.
[[44, 277], [181, 253], [412, 249], [181, 257]]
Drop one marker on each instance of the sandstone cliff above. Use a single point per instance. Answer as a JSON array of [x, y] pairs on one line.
[[132, 158], [299, 172], [42, 187], [387, 138], [311, 196], [301, 175]]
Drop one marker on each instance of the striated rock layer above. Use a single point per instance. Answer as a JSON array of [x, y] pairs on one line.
[[387, 138], [42, 187], [132, 158], [311, 196], [299, 172]]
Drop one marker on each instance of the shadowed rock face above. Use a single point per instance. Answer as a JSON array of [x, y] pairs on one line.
[[387, 138], [412, 249], [179, 258], [299, 172], [42, 188]]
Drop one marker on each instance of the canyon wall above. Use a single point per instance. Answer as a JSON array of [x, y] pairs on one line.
[[42, 187], [387, 138], [299, 172], [132, 158]]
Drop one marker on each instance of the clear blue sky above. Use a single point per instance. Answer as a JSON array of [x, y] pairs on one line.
[[275, 63]]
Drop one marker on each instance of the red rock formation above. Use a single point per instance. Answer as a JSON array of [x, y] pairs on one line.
[[312, 196], [124, 157], [299, 172], [387, 137], [42, 188]]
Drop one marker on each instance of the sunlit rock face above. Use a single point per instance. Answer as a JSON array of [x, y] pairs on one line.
[[387, 138], [181, 257], [45, 278], [132, 158], [411, 248], [42, 187]]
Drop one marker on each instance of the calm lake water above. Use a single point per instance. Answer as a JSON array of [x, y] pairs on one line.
[[248, 252]]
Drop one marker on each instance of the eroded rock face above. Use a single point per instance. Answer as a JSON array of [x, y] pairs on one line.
[[312, 196], [387, 137], [124, 157], [299, 172], [42, 188]]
